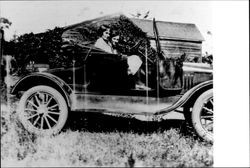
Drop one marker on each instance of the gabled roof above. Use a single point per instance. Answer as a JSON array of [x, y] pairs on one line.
[[170, 30], [98, 21], [167, 30]]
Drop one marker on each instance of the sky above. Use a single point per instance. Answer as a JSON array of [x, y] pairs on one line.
[[38, 16]]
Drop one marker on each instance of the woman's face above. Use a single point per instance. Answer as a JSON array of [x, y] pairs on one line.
[[106, 34], [115, 39]]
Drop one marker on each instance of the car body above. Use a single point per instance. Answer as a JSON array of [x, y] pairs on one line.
[[101, 84]]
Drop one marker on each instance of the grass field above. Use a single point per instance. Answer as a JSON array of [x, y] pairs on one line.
[[99, 140]]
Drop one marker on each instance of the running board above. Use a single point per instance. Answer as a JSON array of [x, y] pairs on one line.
[[139, 105]]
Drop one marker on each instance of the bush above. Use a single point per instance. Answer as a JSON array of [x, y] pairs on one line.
[[42, 48]]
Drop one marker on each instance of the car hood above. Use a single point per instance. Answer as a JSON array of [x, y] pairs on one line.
[[197, 67]]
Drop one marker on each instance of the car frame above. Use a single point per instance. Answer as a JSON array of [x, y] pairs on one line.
[[47, 98]]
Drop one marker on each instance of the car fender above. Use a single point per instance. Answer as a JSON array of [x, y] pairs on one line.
[[43, 78], [189, 97]]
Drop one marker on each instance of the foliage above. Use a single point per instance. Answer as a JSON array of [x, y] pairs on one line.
[[49, 47], [42, 48], [74, 148], [208, 59], [4, 23], [129, 33], [141, 15]]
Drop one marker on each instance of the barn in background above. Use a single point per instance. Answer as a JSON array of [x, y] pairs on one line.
[[175, 38]]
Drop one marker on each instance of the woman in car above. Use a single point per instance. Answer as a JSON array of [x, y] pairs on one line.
[[103, 41]]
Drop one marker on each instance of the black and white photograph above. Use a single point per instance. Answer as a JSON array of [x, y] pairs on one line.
[[112, 84]]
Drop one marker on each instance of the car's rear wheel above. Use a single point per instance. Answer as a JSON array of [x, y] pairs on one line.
[[43, 110], [202, 115]]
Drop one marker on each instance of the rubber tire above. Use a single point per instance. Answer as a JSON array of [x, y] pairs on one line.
[[62, 105], [195, 116]]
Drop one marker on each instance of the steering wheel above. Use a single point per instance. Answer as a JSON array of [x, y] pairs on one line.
[[136, 46], [136, 49]]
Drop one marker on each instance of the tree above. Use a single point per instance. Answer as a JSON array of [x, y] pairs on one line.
[[4, 23], [141, 15]]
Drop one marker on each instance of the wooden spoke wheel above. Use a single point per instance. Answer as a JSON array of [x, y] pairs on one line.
[[43, 110], [202, 115]]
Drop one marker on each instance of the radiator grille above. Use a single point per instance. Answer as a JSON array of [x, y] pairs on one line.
[[188, 81]]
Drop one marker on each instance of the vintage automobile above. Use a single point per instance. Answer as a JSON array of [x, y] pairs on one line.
[[102, 85]]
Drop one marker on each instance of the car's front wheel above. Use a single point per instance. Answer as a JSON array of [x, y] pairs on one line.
[[43, 110], [202, 115]]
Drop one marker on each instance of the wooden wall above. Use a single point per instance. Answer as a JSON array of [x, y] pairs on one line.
[[175, 48]]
